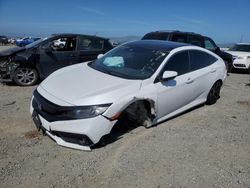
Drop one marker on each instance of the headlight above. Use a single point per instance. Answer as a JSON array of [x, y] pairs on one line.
[[84, 112]]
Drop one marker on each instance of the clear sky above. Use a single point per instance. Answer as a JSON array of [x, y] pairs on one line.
[[223, 20]]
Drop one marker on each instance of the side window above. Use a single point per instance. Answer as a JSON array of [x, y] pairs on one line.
[[209, 44], [200, 59], [179, 38], [86, 43], [156, 36], [178, 62], [196, 40], [62, 44]]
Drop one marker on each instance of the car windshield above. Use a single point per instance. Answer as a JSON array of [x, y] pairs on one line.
[[130, 62], [240, 48]]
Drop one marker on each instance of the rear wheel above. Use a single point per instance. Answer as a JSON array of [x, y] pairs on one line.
[[25, 76], [214, 93]]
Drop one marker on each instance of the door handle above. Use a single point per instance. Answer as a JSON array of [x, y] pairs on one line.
[[189, 81], [213, 70]]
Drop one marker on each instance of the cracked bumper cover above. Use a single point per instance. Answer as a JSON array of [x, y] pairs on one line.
[[7, 69]]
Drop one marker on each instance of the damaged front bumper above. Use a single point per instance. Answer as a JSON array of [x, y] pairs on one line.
[[77, 134], [7, 67]]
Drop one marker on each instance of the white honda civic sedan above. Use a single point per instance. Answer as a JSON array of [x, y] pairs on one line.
[[145, 81]]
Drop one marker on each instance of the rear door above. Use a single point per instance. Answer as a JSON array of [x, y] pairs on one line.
[[63, 53], [203, 70]]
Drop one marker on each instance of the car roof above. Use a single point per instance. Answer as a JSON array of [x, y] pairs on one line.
[[166, 46], [176, 31], [243, 43], [75, 34]]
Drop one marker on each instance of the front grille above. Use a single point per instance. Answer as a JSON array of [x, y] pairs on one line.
[[239, 65], [48, 110]]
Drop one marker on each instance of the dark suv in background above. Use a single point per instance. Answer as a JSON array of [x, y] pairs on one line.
[[3, 40], [191, 38], [26, 65]]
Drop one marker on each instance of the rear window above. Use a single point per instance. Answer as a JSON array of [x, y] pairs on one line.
[[240, 48], [179, 38], [196, 40], [88, 43], [156, 36]]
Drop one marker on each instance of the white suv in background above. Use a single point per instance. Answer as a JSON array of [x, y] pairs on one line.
[[241, 56]]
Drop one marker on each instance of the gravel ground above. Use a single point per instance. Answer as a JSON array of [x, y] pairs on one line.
[[205, 147]]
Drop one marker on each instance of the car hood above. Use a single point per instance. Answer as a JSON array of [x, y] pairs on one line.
[[81, 85], [237, 53], [11, 51]]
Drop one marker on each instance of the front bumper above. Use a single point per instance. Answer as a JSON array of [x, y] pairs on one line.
[[241, 64], [7, 68], [91, 128]]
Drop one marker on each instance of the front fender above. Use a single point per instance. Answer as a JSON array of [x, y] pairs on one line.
[[121, 104]]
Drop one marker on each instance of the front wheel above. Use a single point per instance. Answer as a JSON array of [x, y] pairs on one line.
[[214, 93], [138, 113], [25, 76]]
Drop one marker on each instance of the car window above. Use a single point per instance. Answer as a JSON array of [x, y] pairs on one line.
[[87, 43], [62, 44], [200, 59], [240, 48], [178, 62], [179, 38], [156, 36], [209, 44], [196, 40]]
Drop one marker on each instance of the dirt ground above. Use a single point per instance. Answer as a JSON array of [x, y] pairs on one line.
[[206, 147]]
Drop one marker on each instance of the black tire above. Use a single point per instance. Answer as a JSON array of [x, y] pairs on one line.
[[214, 93], [25, 76]]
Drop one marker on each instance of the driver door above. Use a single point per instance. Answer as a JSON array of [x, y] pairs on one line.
[[57, 53], [178, 92]]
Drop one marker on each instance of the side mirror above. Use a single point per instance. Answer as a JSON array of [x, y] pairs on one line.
[[168, 75], [100, 56]]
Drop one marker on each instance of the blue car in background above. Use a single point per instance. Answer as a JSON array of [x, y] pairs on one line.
[[26, 40]]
